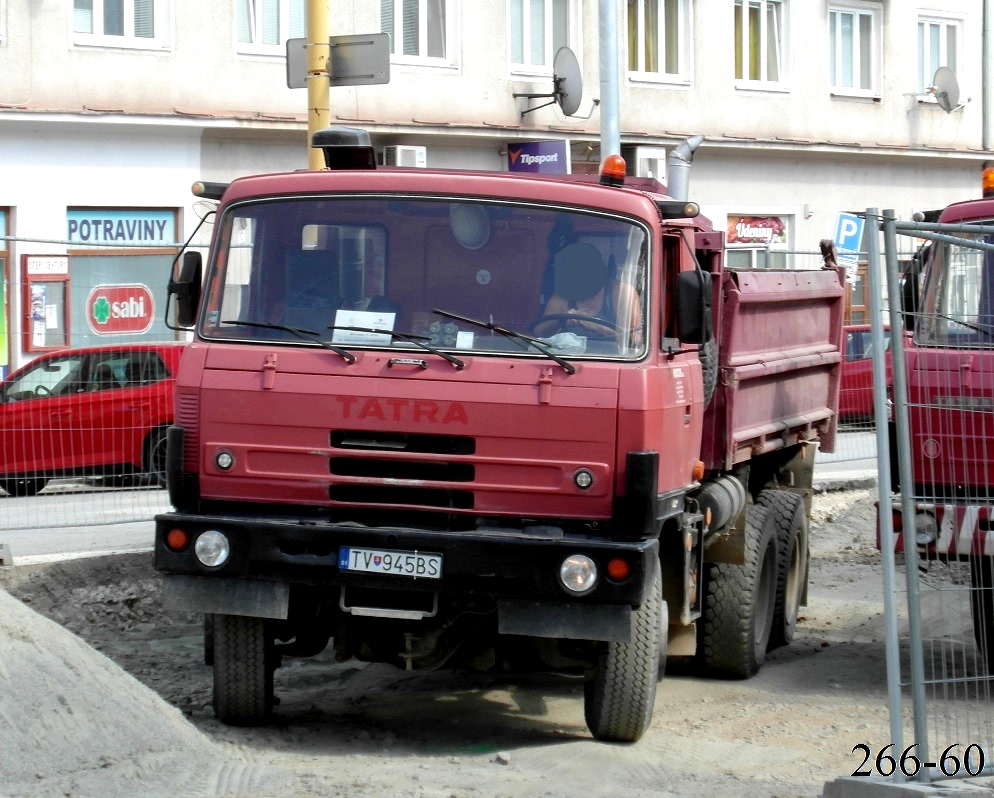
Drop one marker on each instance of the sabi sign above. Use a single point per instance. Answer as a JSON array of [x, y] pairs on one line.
[[120, 309]]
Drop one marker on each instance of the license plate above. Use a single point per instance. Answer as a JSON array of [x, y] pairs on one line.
[[395, 563]]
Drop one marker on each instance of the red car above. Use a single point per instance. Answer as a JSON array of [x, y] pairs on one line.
[[856, 387], [93, 411]]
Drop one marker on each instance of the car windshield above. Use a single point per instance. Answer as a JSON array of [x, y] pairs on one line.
[[415, 273], [958, 307]]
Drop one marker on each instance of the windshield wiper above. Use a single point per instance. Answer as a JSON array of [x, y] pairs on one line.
[[307, 335], [417, 340], [514, 336], [983, 329]]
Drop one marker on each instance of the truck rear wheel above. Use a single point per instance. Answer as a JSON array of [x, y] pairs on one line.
[[738, 603], [243, 676], [982, 608], [791, 523], [618, 701]]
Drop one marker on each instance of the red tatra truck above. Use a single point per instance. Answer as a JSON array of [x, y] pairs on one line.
[[488, 420], [950, 402]]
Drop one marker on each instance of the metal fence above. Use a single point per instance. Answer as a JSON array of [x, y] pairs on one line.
[[937, 545], [100, 501]]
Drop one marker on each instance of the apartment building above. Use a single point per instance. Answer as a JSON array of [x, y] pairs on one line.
[[110, 109]]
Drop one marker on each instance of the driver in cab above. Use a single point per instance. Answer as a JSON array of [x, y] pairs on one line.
[[587, 300]]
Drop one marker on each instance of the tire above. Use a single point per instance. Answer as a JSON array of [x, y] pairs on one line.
[[738, 603], [791, 524], [982, 609], [619, 699], [154, 459], [208, 639], [23, 487], [243, 676]]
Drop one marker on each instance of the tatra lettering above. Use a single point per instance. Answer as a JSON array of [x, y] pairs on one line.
[[421, 410]]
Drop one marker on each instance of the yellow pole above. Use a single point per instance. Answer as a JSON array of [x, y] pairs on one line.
[[318, 82]]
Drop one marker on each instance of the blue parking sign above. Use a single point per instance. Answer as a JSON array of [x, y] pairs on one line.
[[849, 235]]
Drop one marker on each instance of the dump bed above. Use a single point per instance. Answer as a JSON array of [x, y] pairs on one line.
[[779, 336]]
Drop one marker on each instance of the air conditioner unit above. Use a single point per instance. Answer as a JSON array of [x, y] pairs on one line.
[[405, 155]]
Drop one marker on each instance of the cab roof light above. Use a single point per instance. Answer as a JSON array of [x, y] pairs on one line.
[[987, 182], [345, 147], [677, 209], [206, 190], [613, 170]]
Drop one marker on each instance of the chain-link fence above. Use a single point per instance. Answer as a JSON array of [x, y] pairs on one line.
[[937, 545], [88, 388], [117, 298]]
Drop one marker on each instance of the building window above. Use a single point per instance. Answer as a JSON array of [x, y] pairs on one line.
[[938, 45], [120, 23], [854, 48], [659, 38], [265, 25], [538, 28], [420, 30], [760, 40]]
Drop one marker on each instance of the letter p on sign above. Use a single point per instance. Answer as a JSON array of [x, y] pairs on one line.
[[848, 235]]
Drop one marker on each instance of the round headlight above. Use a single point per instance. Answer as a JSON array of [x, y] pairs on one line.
[[212, 548], [926, 529], [578, 574]]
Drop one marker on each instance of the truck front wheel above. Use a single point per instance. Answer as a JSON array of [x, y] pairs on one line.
[[739, 601], [982, 608], [791, 524], [243, 672], [619, 699]]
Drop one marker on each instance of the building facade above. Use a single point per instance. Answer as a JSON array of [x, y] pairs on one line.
[[111, 109]]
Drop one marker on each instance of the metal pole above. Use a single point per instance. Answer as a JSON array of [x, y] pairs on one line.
[[907, 481], [318, 80], [883, 489], [610, 128]]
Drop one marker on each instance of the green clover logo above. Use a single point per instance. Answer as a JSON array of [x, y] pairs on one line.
[[101, 310]]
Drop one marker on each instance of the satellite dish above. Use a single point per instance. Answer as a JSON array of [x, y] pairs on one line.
[[945, 87], [567, 84], [567, 80]]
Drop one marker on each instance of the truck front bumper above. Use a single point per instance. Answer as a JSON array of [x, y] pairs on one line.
[[514, 568]]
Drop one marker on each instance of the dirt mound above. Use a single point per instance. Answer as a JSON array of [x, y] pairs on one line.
[[73, 723]]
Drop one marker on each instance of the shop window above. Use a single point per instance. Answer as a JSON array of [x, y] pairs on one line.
[[854, 48], [421, 31], [140, 24], [265, 25], [760, 41], [757, 242], [537, 29], [659, 39]]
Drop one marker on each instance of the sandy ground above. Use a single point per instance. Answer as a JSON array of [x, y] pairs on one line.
[[103, 692]]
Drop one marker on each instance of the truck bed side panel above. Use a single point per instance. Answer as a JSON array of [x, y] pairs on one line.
[[779, 340]]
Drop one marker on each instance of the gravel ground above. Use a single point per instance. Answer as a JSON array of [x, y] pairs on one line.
[[103, 692]]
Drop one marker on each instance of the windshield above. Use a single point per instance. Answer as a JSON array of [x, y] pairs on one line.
[[958, 309], [455, 276]]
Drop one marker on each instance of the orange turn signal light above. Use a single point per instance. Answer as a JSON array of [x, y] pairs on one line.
[[177, 539]]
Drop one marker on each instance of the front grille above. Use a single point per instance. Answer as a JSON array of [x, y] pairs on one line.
[[403, 469], [394, 494], [402, 442]]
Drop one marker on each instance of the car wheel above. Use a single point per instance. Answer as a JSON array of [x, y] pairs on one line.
[[155, 457]]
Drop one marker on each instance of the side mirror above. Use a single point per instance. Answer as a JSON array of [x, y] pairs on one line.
[[185, 289], [693, 307], [910, 282]]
